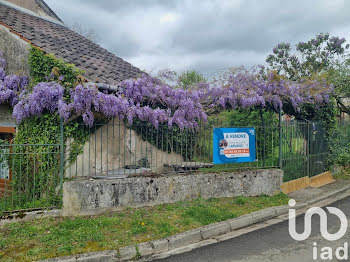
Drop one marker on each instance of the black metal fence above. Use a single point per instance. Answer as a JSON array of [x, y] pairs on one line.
[[304, 149], [115, 149], [31, 176]]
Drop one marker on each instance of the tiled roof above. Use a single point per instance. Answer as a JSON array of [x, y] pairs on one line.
[[99, 64]]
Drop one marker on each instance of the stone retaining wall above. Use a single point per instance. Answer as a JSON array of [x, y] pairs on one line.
[[88, 197]]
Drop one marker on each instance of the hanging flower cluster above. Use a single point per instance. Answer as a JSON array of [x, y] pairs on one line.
[[145, 98], [152, 100], [11, 86], [45, 96], [247, 89]]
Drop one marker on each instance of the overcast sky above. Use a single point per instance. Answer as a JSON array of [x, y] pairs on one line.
[[205, 35]]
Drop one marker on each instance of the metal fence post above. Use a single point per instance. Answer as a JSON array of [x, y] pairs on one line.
[[61, 153], [264, 131], [308, 150], [280, 138]]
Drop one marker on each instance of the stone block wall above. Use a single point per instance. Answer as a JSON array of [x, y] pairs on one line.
[[88, 197]]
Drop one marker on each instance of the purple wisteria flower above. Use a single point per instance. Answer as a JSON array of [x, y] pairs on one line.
[[151, 100], [45, 96], [11, 86], [2, 74]]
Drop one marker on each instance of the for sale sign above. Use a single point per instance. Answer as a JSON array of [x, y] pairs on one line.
[[234, 145]]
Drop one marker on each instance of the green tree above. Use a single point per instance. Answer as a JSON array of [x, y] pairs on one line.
[[190, 78], [340, 78], [315, 56], [325, 58], [322, 57]]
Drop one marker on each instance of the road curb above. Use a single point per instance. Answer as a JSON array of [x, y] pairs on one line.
[[191, 239], [329, 195]]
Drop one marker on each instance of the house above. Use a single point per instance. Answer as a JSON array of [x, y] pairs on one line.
[[41, 27], [31, 22]]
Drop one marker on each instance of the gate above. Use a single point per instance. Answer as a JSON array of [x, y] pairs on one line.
[[318, 150], [34, 177], [304, 149], [31, 176]]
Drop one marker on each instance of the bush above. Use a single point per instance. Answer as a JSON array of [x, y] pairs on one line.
[[266, 135], [339, 146], [294, 167]]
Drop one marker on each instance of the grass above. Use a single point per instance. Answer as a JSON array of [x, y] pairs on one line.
[[344, 174], [54, 237], [14, 202]]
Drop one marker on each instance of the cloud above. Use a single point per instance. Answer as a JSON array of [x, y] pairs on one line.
[[209, 63], [206, 35]]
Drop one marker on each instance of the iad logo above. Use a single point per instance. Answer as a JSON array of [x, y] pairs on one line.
[[323, 223], [326, 252]]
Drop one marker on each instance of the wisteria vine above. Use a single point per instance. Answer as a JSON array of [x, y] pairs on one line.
[[150, 99], [12, 87], [244, 89]]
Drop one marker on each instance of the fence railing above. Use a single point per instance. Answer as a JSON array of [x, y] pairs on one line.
[[29, 177], [304, 149], [115, 149]]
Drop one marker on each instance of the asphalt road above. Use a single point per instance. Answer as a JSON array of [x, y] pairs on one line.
[[271, 243]]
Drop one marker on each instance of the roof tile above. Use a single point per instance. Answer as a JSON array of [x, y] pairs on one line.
[[98, 63]]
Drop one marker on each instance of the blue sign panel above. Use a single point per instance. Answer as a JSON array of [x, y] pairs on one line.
[[234, 145]]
